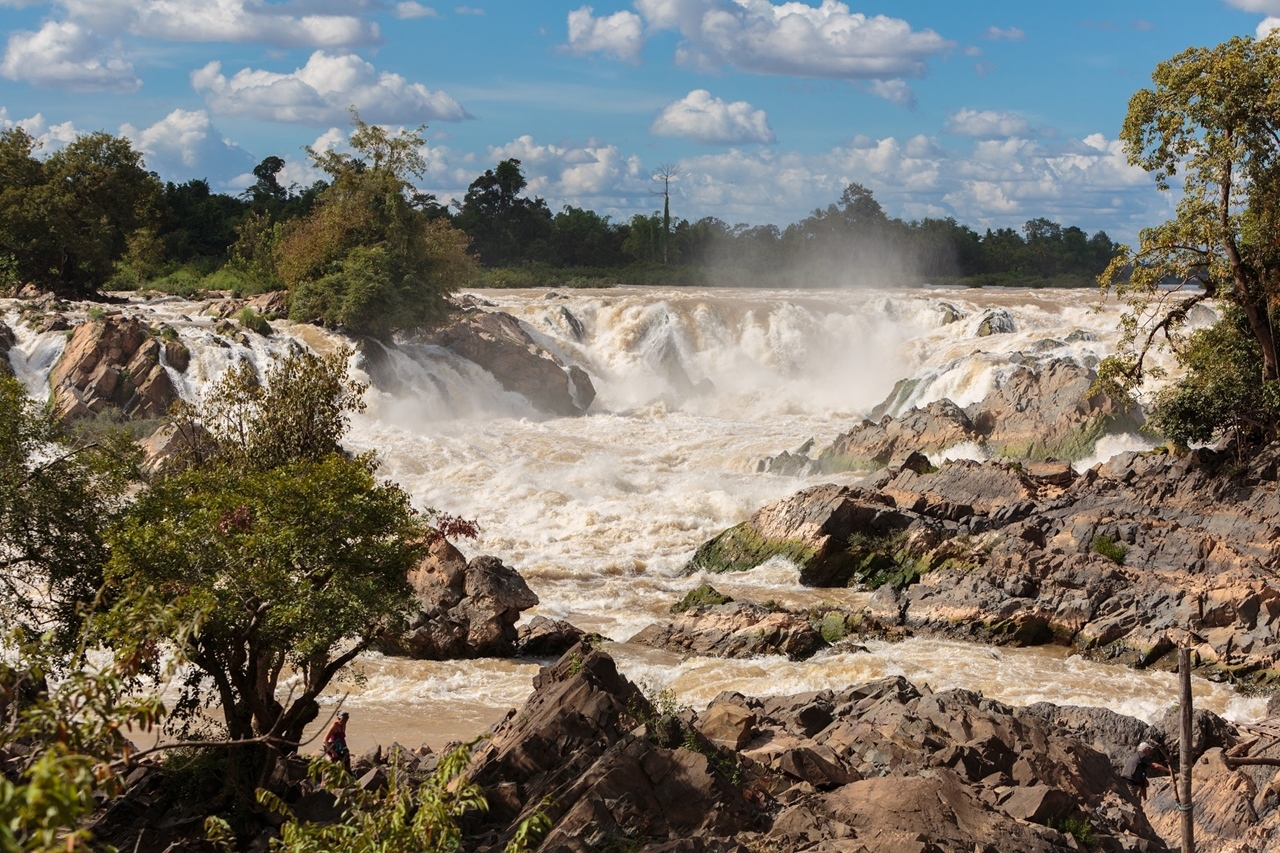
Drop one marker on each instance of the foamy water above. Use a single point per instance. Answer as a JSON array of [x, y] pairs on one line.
[[600, 513]]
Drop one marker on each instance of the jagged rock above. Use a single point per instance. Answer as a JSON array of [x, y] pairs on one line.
[[891, 768], [544, 638], [937, 426], [498, 343], [112, 362], [996, 321], [811, 528], [1034, 412], [272, 305], [1127, 560], [467, 609], [734, 630], [172, 447]]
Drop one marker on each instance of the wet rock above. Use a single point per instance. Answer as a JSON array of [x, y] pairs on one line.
[[869, 779], [734, 630], [996, 321], [811, 528], [468, 609], [498, 343], [543, 638], [1035, 412]]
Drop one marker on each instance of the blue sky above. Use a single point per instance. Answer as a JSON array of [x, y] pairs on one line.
[[992, 112]]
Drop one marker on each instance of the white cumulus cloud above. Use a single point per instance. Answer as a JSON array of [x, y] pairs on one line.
[[794, 38], [703, 118], [322, 91], [185, 145], [66, 55], [987, 124], [244, 21], [620, 35]]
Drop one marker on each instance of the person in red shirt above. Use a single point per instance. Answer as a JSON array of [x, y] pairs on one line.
[[335, 742]]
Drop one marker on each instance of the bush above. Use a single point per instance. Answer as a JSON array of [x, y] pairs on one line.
[[253, 321], [1109, 547]]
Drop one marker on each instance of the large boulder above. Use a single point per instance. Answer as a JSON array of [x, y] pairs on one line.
[[811, 528], [498, 343], [112, 362], [467, 609], [734, 630]]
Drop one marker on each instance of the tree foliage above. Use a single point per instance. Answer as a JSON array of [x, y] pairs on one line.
[[365, 259], [58, 491], [293, 553], [504, 226], [1211, 119], [67, 219]]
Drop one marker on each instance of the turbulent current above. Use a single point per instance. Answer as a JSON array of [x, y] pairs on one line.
[[600, 513]]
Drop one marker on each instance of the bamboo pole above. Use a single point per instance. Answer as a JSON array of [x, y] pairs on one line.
[[1185, 758]]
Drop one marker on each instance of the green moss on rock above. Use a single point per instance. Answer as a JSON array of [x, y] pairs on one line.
[[702, 596], [741, 548]]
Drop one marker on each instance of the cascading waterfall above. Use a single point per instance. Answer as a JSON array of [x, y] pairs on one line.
[[600, 512]]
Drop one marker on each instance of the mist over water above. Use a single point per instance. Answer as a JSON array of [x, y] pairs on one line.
[[600, 513]]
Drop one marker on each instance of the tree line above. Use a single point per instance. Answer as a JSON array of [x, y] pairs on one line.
[[363, 249]]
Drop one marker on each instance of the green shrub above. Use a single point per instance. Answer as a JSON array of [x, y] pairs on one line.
[[1109, 547], [253, 321]]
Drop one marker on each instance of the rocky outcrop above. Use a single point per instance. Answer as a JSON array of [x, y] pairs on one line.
[[112, 362], [734, 630], [879, 767], [468, 609], [1034, 412], [1126, 561], [498, 343]]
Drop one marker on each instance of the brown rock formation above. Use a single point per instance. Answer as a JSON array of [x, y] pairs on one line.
[[1036, 412], [468, 609], [879, 767], [734, 630], [112, 362], [497, 342], [1135, 557]]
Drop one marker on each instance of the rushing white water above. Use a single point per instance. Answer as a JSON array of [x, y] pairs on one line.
[[599, 513]]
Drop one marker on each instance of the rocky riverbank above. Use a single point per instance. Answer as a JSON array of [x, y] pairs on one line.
[[1127, 560], [881, 767]]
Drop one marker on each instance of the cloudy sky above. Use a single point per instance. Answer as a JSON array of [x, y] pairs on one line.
[[993, 112]]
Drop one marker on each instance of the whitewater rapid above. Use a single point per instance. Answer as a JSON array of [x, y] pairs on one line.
[[599, 513]]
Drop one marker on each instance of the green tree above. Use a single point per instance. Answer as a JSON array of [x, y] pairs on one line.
[[365, 259], [293, 554], [66, 220], [57, 493], [1211, 118], [505, 227]]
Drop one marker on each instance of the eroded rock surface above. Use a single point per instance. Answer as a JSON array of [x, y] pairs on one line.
[[734, 630], [1131, 558], [113, 362], [882, 766], [497, 342], [468, 609], [1034, 412]]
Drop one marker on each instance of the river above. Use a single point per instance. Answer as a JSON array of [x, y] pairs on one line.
[[600, 513]]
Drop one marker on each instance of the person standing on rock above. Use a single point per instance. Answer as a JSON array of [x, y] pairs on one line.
[[335, 742], [1139, 765]]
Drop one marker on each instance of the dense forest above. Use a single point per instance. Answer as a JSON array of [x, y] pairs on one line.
[[90, 216]]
